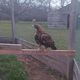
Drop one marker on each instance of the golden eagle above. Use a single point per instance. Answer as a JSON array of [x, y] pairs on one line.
[[43, 38]]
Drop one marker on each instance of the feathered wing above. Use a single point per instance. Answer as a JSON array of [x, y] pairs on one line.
[[37, 39], [45, 39]]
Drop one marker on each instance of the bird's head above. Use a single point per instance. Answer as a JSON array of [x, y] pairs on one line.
[[38, 28]]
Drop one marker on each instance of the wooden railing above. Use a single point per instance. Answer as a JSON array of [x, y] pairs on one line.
[[7, 46]]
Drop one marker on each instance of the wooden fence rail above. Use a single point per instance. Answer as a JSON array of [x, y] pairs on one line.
[[10, 46]]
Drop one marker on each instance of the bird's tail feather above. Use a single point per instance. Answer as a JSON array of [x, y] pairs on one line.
[[53, 47]]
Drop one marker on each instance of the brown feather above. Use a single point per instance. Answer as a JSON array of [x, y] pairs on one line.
[[43, 38]]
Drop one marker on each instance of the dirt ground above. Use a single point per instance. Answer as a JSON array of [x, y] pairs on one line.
[[37, 70]]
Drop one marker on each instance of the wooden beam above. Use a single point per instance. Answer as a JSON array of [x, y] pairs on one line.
[[38, 52], [10, 46]]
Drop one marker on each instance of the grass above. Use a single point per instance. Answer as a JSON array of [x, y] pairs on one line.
[[5, 28], [11, 69]]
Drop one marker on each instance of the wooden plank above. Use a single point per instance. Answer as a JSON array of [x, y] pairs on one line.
[[70, 65], [60, 58], [51, 52], [58, 65], [10, 46], [38, 52], [26, 44], [55, 65], [13, 52]]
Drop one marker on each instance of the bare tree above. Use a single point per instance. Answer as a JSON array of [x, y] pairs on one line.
[[25, 9], [5, 8], [62, 3]]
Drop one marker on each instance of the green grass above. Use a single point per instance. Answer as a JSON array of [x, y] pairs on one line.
[[5, 28], [11, 69]]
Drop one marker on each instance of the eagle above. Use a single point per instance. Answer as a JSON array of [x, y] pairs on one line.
[[42, 38]]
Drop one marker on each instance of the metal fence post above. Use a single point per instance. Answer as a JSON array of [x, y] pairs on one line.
[[72, 27], [13, 21]]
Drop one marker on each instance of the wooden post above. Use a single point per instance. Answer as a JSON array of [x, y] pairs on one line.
[[72, 27], [68, 21], [13, 21], [70, 65]]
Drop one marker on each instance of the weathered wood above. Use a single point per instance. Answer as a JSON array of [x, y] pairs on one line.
[[56, 62], [46, 57], [38, 52], [26, 44], [58, 18], [53, 64], [70, 65], [10, 46], [51, 52], [60, 58]]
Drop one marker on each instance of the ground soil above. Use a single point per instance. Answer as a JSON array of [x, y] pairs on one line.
[[37, 70]]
